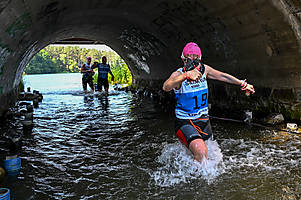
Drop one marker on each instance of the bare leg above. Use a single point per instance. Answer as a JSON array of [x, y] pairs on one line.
[[84, 84], [199, 149], [99, 86], [91, 86]]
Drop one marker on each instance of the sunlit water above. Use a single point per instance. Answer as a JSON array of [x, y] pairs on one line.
[[88, 146]]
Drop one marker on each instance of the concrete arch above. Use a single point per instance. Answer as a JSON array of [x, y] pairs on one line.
[[259, 40]]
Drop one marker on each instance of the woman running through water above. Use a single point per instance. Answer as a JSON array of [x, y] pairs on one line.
[[189, 83]]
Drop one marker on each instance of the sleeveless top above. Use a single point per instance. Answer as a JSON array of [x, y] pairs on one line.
[[86, 67], [192, 98]]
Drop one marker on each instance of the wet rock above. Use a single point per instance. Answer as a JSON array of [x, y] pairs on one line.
[[28, 116], [29, 108], [146, 93], [23, 111], [18, 114], [23, 103], [140, 92], [132, 89], [40, 98], [275, 118], [35, 103], [15, 144], [25, 96], [13, 140], [27, 126]]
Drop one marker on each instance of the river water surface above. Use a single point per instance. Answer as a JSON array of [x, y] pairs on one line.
[[89, 146]]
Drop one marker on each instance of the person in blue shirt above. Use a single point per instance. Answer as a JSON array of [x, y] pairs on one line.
[[103, 70], [88, 73], [189, 83]]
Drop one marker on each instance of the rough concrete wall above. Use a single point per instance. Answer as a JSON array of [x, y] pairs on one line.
[[257, 39]]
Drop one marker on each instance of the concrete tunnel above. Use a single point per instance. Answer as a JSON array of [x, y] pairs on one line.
[[257, 40]]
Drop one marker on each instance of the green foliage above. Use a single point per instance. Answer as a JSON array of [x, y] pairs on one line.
[[42, 63], [121, 72], [95, 77], [21, 85], [69, 59]]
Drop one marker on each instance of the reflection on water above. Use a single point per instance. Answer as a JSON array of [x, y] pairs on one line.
[[89, 146]]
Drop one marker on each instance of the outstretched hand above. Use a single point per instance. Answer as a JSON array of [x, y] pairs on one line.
[[248, 88]]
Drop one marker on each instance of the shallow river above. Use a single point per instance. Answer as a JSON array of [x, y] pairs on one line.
[[88, 146]]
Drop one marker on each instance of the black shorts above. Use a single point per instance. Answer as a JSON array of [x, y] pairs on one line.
[[102, 82], [87, 79], [189, 130]]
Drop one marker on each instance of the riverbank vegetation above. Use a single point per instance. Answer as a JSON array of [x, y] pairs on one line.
[[69, 59]]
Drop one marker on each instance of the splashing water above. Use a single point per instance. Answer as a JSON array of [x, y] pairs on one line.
[[178, 165], [259, 157]]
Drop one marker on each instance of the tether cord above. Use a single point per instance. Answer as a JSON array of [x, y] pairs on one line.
[[250, 123]]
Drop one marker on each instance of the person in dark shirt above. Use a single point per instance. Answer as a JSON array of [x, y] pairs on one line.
[[103, 70]]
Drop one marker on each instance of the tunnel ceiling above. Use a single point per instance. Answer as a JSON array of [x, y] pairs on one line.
[[256, 39]]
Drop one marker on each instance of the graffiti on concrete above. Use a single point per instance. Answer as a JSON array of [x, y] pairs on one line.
[[20, 26], [141, 42], [139, 62], [144, 45]]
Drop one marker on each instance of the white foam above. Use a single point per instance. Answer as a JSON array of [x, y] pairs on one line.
[[178, 165], [249, 156]]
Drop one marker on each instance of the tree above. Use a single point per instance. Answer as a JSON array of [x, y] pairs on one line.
[[42, 64]]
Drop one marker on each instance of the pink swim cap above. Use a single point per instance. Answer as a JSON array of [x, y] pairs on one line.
[[191, 48]]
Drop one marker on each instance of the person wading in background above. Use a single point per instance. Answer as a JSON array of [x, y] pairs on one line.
[[88, 73], [103, 70]]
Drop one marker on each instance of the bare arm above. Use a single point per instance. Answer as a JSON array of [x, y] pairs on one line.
[[82, 69], [112, 79], [176, 78], [111, 73], [221, 76], [95, 65], [174, 81], [227, 78]]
